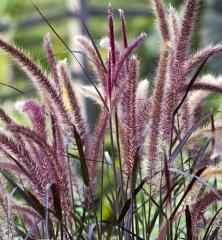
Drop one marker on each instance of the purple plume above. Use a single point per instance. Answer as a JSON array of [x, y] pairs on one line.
[[51, 60], [36, 114], [159, 11]]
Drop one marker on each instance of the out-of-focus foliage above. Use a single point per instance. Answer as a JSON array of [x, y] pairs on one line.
[[18, 23]]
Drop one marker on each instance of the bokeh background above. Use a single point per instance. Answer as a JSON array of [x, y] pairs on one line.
[[21, 23]]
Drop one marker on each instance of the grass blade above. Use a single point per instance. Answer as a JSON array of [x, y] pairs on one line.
[[188, 223]]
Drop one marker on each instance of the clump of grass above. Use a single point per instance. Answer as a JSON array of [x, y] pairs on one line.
[[160, 174]]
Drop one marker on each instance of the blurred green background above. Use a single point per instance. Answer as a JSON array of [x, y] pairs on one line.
[[20, 23]]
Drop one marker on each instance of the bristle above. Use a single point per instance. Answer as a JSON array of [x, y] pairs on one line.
[[51, 60], [161, 18], [178, 72], [196, 59], [184, 117], [90, 51], [55, 171], [40, 79], [142, 90], [111, 35], [123, 28], [130, 118], [174, 26], [89, 92], [199, 207], [11, 167], [61, 163], [155, 115], [126, 53], [37, 116], [187, 27], [143, 114], [4, 117], [75, 111], [20, 153], [92, 153]]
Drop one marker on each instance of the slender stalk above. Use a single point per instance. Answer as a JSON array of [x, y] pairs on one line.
[[114, 164], [101, 190], [123, 198]]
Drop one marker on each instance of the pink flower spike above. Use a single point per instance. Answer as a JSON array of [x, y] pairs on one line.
[[36, 114], [197, 58], [130, 119], [123, 26], [161, 18], [111, 34], [4, 117], [126, 53], [51, 59], [188, 22]]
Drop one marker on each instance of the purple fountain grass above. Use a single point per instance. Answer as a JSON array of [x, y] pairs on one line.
[[143, 109], [198, 208], [130, 123], [36, 114], [187, 26], [109, 79], [6, 219], [92, 154], [31, 151], [60, 165], [177, 73], [123, 28], [175, 32], [155, 115], [90, 51], [30, 218], [32, 166], [126, 53], [25, 210], [174, 26], [197, 58], [114, 92], [57, 133], [54, 101], [111, 37], [215, 88], [39, 130], [38, 136], [207, 83], [42, 82], [75, 112], [11, 166], [161, 18], [51, 60], [56, 172], [143, 118], [158, 92], [4, 117]]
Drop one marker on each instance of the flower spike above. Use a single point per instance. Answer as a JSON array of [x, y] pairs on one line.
[[123, 28], [111, 35]]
